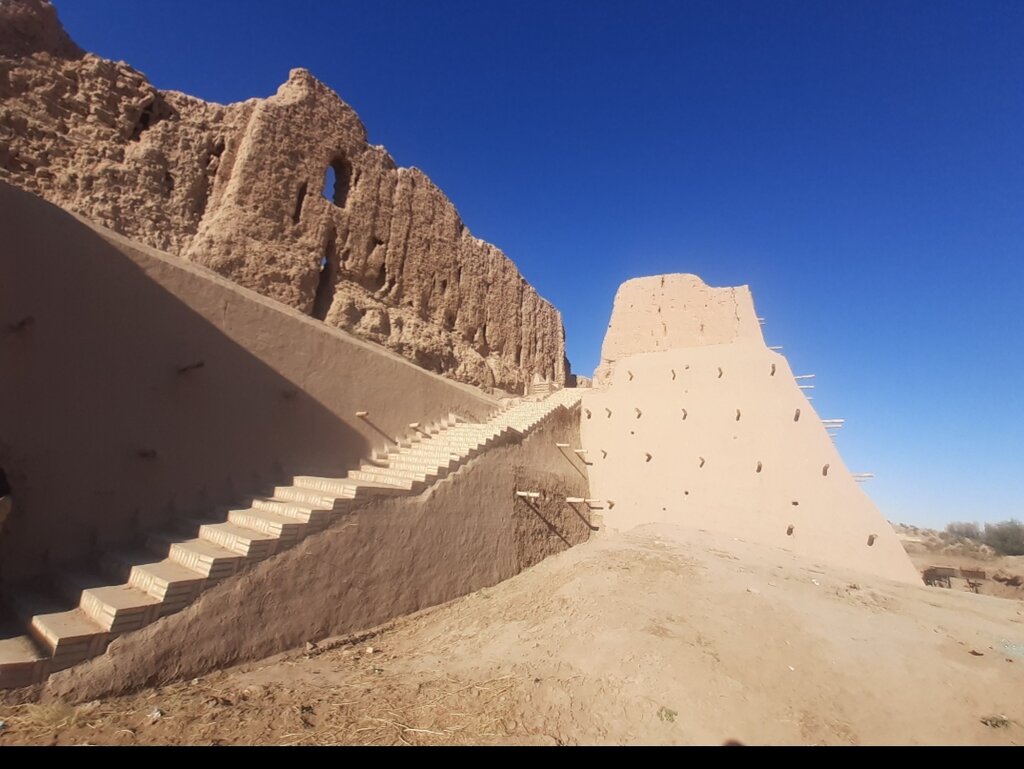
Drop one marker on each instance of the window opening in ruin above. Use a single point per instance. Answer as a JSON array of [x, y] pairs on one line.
[[337, 181], [300, 199], [325, 285]]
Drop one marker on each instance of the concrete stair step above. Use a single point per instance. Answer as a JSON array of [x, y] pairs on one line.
[[288, 530], [422, 467], [22, 661], [62, 630], [389, 481], [436, 456], [347, 487], [208, 559], [314, 516], [396, 477], [174, 585], [117, 608], [321, 500], [254, 545]]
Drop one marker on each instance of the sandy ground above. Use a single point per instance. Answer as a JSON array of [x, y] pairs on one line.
[[927, 547], [659, 635]]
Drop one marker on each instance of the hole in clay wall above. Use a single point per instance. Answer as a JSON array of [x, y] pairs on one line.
[[151, 114], [758, 467], [824, 470], [382, 277], [737, 415], [789, 530], [325, 284], [519, 355], [299, 200], [796, 415], [337, 180], [773, 370], [684, 414], [871, 539]]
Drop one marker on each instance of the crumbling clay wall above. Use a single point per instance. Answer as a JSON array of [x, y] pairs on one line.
[[389, 558], [665, 312], [137, 387], [238, 188], [715, 433]]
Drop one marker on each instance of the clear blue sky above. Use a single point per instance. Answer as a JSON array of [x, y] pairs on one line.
[[859, 164]]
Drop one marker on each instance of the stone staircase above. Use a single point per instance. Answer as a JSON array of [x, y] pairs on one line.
[[71, 616]]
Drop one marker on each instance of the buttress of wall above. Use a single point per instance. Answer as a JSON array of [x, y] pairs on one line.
[[389, 558], [138, 387], [665, 312], [721, 437], [239, 188]]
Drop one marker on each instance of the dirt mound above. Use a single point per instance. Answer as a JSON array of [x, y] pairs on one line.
[[659, 635]]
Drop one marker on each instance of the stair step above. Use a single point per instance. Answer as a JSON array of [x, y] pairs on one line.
[[404, 482], [174, 585], [254, 545], [116, 608], [313, 516], [346, 487], [210, 560], [65, 633], [317, 498], [22, 661], [288, 530], [401, 478]]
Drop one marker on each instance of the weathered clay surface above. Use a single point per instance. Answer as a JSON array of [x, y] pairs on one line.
[[238, 189], [665, 312], [699, 424]]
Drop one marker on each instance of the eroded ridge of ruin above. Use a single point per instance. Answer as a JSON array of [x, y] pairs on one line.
[[283, 195], [696, 422]]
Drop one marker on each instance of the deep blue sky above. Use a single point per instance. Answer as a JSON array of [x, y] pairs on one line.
[[859, 164]]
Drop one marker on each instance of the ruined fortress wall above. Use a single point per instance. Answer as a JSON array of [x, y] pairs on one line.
[[135, 387], [238, 188], [387, 559], [719, 436], [678, 310]]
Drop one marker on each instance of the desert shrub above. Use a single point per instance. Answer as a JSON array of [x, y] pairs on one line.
[[964, 530], [1006, 538]]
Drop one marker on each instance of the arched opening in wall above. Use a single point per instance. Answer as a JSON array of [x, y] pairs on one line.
[[299, 200], [337, 181], [871, 539], [796, 415], [328, 276]]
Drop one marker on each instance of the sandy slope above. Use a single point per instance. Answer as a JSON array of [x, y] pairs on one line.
[[659, 635]]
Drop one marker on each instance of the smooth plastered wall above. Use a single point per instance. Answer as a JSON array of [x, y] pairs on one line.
[[699, 423], [385, 559], [136, 387]]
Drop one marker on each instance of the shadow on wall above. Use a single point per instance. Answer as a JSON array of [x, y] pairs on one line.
[[121, 406]]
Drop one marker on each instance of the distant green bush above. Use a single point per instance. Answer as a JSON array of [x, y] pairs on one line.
[[1006, 538], [964, 530]]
